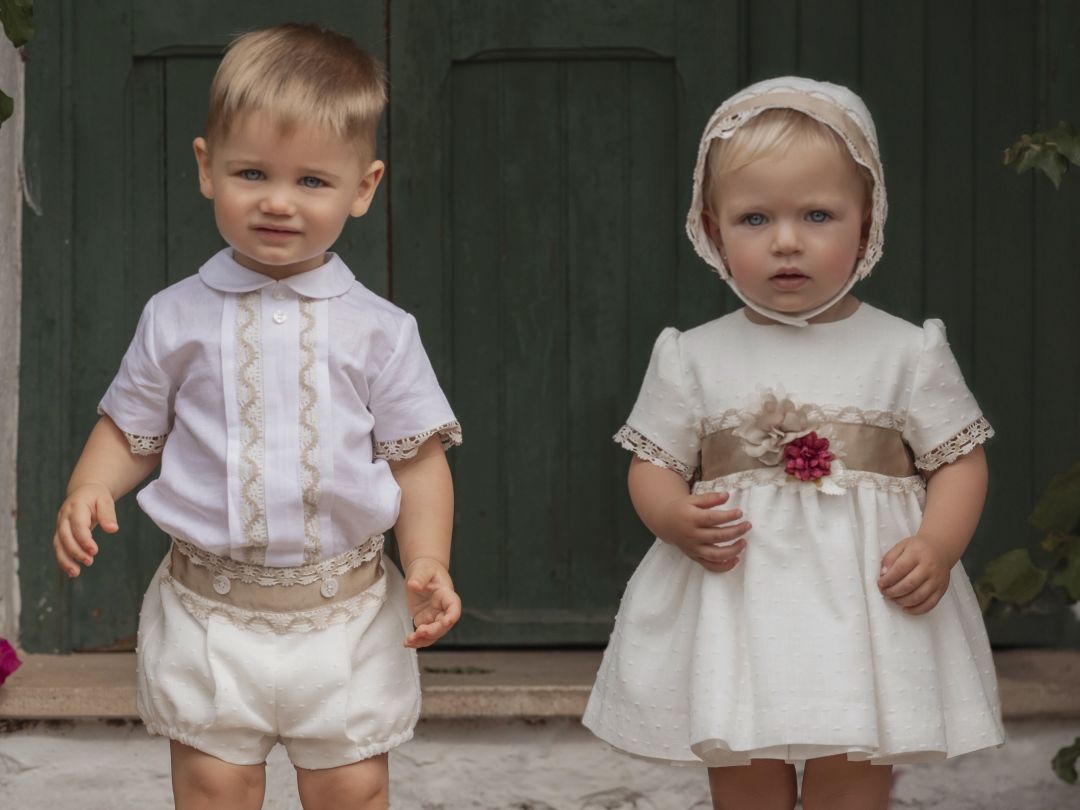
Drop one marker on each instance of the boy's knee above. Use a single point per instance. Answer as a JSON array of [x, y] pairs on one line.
[[364, 785]]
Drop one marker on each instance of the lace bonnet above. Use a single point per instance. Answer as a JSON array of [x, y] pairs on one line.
[[840, 110]]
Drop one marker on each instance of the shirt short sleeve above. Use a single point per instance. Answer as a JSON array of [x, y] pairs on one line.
[[408, 405], [661, 428], [944, 421], [141, 396]]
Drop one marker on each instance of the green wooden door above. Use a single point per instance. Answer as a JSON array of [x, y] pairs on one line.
[[540, 157]]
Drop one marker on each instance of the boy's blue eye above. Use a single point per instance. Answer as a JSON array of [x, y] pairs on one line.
[[311, 182], [251, 174], [818, 216], [754, 219]]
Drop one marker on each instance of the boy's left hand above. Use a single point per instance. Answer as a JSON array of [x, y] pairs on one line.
[[433, 604], [915, 574]]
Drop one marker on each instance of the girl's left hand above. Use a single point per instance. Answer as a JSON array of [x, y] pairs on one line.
[[915, 574], [433, 604]]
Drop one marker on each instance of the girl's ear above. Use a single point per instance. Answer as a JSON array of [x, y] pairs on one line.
[[202, 158], [365, 192], [712, 229]]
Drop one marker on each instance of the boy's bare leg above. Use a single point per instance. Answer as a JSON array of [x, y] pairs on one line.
[[764, 784], [835, 783], [362, 785], [204, 782]]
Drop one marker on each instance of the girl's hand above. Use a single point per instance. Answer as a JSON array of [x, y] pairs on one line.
[[915, 573], [85, 507], [433, 604], [691, 524]]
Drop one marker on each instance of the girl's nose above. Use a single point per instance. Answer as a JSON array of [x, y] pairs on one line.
[[277, 201], [785, 239]]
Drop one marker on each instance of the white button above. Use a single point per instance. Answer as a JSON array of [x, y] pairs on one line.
[[222, 584], [329, 588], [279, 316], [278, 295]]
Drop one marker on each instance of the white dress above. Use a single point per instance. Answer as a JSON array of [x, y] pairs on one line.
[[795, 653]]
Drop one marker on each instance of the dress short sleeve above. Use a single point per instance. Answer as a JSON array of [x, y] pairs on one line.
[[944, 421], [141, 396], [661, 428], [408, 405]]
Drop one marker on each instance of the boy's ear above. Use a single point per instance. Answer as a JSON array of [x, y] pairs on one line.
[[365, 192], [202, 158]]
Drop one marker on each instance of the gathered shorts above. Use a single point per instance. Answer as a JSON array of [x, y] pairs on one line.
[[233, 657]]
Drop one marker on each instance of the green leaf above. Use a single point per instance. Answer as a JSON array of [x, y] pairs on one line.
[[18, 19], [1064, 762], [1069, 577], [7, 107], [1012, 578], [1066, 141], [1046, 160], [1058, 510]]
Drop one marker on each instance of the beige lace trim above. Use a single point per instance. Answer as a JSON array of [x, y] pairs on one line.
[[145, 445], [250, 573], [959, 445], [844, 479], [401, 449], [734, 417], [309, 433], [250, 404], [261, 621], [646, 450]]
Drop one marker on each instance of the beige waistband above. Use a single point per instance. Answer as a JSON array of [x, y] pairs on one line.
[[261, 588], [862, 447]]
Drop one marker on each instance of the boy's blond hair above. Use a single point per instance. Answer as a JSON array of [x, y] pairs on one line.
[[299, 74], [770, 132]]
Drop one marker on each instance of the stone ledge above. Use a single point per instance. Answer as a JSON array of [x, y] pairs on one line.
[[1035, 685]]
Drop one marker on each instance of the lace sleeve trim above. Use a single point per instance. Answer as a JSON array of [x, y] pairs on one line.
[[145, 445], [401, 449], [648, 451], [959, 445]]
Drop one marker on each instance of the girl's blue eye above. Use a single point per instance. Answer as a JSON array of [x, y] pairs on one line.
[[251, 174], [818, 216], [311, 182], [754, 219]]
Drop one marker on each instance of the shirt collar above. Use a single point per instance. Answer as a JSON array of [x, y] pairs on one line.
[[223, 273]]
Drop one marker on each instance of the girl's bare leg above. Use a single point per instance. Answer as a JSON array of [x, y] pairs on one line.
[[764, 784], [363, 785], [204, 782], [835, 783]]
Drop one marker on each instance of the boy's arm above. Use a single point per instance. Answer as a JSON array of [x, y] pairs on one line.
[[106, 470], [915, 572], [423, 531]]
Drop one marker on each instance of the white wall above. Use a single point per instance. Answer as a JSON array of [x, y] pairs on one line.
[[11, 81]]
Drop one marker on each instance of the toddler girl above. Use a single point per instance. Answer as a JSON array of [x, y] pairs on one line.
[[297, 418], [812, 469]]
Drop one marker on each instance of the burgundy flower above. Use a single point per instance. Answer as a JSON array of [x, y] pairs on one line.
[[807, 457], [9, 661]]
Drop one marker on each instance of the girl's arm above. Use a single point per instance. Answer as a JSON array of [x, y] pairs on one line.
[[106, 470], [663, 501], [423, 531], [915, 572]]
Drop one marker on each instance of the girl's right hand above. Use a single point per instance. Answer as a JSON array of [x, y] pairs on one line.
[[85, 507], [692, 525]]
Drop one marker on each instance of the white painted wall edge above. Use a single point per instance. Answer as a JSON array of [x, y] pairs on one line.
[[11, 141]]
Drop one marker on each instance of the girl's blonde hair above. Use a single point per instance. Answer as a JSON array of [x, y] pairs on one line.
[[299, 74], [772, 131]]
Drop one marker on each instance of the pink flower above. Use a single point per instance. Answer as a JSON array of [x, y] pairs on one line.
[[9, 661], [807, 457]]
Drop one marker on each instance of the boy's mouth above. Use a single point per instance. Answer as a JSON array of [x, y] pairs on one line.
[[270, 232]]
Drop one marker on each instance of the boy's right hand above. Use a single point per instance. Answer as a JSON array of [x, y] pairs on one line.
[[692, 525], [85, 507]]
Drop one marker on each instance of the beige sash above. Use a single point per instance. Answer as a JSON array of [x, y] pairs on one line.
[[864, 447], [283, 590]]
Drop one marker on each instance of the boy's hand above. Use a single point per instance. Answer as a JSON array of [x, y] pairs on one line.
[[694, 527], [433, 604], [915, 573], [85, 507]]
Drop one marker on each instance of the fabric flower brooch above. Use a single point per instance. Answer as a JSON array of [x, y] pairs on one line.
[[780, 433]]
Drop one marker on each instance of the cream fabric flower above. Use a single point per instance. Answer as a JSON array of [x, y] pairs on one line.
[[765, 433]]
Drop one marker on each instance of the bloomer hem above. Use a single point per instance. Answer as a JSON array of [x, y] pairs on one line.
[[196, 741]]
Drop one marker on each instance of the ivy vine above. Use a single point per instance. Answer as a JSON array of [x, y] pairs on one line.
[[17, 17]]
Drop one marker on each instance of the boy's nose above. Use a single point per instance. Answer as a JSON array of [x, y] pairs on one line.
[[277, 201]]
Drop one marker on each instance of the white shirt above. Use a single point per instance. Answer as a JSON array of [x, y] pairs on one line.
[[278, 404]]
